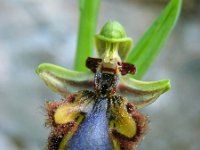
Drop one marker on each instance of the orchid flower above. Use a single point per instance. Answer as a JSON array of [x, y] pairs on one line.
[[100, 107]]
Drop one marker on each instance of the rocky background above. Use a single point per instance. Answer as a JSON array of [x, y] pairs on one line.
[[35, 31]]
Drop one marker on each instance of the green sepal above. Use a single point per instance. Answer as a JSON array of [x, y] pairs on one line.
[[113, 33], [142, 93], [64, 81]]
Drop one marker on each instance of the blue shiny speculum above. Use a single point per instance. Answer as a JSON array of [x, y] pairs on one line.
[[93, 132]]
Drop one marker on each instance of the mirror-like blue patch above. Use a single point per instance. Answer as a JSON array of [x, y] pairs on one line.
[[93, 132]]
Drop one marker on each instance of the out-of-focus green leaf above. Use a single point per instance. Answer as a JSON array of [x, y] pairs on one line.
[[88, 17], [150, 44], [81, 4]]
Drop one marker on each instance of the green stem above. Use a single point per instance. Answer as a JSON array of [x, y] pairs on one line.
[[88, 19]]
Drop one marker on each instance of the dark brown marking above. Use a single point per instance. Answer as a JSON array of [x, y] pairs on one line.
[[127, 68], [93, 63]]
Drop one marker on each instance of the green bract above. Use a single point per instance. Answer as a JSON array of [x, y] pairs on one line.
[[113, 34]]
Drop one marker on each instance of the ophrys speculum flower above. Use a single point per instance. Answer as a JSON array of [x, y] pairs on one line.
[[100, 108]]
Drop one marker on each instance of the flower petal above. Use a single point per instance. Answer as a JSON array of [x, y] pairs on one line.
[[64, 81], [142, 93]]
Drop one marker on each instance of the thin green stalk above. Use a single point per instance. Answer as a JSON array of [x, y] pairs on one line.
[[87, 26]]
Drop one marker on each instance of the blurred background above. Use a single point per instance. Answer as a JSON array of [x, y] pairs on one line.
[[35, 31]]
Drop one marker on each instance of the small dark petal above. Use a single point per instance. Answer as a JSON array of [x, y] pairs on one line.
[[93, 63], [128, 68]]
